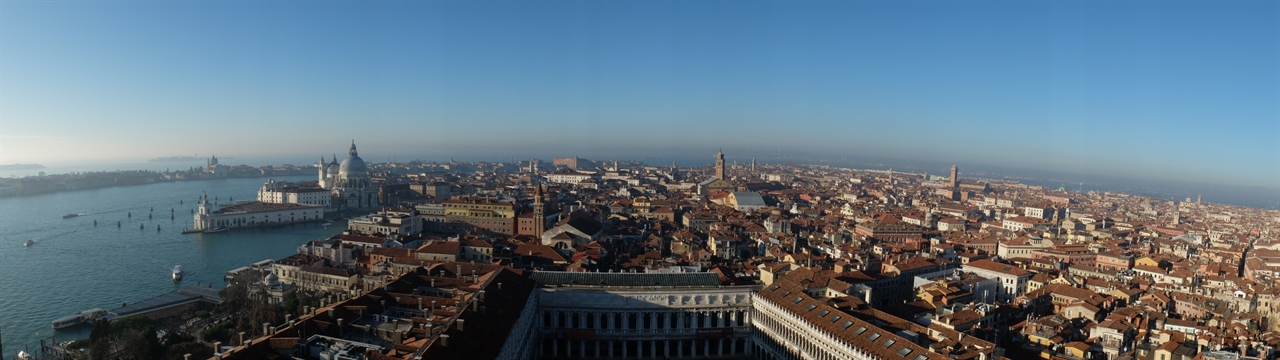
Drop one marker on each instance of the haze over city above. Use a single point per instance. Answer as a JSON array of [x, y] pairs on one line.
[[679, 180], [1148, 90]]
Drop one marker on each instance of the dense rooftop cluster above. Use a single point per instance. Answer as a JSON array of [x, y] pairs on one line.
[[887, 264]]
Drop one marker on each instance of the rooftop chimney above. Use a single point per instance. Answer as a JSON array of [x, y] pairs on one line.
[[461, 323], [444, 340]]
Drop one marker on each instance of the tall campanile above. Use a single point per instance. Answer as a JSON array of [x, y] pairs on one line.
[[720, 165], [539, 217], [955, 176]]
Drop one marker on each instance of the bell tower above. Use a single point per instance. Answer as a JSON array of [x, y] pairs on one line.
[[720, 165], [539, 217]]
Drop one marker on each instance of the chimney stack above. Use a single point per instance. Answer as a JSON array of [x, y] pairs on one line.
[[461, 323], [266, 329], [444, 340]]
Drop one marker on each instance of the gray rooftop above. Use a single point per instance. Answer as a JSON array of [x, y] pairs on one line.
[[625, 279], [748, 198]]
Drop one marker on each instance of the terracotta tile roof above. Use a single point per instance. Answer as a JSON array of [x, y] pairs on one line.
[[845, 327], [998, 267]]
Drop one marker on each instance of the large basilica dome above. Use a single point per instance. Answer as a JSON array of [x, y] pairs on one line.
[[348, 181], [353, 164]]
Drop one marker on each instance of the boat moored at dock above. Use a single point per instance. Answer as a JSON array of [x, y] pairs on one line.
[[77, 319]]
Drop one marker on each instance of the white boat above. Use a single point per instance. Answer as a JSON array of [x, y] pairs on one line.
[[177, 273], [29, 242], [217, 230], [23, 355], [326, 224], [68, 321], [77, 319], [94, 314]]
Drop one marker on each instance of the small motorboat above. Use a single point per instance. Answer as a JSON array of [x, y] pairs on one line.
[[326, 223], [29, 242], [23, 355], [68, 216], [177, 273], [217, 230]]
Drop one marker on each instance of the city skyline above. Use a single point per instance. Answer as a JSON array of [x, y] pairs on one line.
[[1142, 90]]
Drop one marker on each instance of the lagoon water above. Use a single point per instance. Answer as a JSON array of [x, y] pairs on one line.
[[75, 266]]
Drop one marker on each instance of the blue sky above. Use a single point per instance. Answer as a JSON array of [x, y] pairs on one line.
[[1188, 90]]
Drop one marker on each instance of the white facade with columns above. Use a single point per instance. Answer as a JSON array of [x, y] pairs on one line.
[[661, 322]]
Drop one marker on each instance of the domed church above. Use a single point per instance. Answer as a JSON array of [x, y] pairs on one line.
[[348, 181]]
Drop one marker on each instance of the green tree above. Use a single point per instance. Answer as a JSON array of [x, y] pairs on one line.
[[138, 344], [196, 349], [136, 322], [101, 329]]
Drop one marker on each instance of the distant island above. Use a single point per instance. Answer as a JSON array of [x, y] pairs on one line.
[[183, 158], [176, 158], [11, 167]]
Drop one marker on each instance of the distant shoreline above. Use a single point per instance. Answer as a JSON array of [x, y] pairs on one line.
[[11, 167], [175, 158], [183, 158]]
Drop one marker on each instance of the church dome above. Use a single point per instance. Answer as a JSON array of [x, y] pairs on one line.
[[353, 163], [271, 280], [332, 168]]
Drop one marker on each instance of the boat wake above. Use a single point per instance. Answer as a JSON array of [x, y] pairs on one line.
[[39, 239]]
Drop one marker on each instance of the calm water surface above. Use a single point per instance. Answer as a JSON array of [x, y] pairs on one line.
[[75, 266]]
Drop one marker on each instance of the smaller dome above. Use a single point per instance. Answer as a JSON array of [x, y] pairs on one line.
[[271, 280]]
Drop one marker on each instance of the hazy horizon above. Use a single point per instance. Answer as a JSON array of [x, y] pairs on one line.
[[1183, 92]]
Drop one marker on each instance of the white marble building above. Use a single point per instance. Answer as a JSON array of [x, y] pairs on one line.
[[253, 213], [348, 182], [287, 193], [674, 316]]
